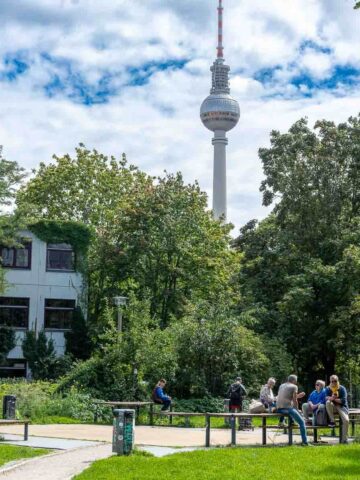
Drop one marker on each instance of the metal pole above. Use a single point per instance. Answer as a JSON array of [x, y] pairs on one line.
[[119, 326]]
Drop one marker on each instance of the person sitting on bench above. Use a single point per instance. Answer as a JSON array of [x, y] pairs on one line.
[[316, 405], [159, 396], [336, 401]]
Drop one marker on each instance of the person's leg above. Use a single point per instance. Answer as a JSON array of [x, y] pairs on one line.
[[282, 419], [330, 411], [166, 404], [295, 415], [306, 409], [345, 423]]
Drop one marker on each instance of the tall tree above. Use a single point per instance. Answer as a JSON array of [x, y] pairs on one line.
[[11, 176], [152, 234], [301, 272]]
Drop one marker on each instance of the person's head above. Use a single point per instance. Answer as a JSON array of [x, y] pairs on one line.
[[271, 382], [319, 385], [334, 380], [292, 379], [238, 380], [162, 382]]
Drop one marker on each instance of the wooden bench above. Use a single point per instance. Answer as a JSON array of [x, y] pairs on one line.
[[134, 405], [18, 422]]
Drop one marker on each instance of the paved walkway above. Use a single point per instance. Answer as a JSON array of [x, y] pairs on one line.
[[159, 436], [58, 466]]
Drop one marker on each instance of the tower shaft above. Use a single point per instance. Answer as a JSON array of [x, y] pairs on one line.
[[219, 180]]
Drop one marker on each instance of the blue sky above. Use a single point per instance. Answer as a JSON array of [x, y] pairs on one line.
[[131, 75]]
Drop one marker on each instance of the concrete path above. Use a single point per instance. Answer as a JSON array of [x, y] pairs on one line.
[[58, 466]]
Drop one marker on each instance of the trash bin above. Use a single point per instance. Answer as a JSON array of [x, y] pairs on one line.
[[123, 431], [9, 407]]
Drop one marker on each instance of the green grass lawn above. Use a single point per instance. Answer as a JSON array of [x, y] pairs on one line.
[[9, 453], [280, 463]]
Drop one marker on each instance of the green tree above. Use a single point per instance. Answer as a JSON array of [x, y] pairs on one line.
[[11, 176], [213, 347], [7, 342], [300, 271], [78, 341], [39, 352], [357, 5], [151, 234]]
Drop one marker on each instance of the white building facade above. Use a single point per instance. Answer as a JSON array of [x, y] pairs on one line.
[[42, 290]]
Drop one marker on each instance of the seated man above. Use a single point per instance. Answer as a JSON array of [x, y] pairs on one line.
[[336, 401], [315, 403], [287, 402], [267, 397], [158, 395]]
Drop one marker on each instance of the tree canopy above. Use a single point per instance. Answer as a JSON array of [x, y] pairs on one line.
[[301, 272]]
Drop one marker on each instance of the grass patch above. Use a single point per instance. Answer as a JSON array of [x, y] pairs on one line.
[[9, 453], [295, 463], [49, 420]]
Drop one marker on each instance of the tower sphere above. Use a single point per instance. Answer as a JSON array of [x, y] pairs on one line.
[[220, 112]]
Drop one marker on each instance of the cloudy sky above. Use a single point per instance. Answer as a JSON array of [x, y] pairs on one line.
[[130, 75]]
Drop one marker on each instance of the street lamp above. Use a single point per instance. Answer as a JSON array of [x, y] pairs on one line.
[[119, 302]]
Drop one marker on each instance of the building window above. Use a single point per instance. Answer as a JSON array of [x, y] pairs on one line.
[[14, 312], [60, 256], [58, 314], [16, 257]]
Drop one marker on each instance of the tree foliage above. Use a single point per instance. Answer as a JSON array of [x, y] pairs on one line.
[[7, 342], [39, 352], [301, 270], [152, 235]]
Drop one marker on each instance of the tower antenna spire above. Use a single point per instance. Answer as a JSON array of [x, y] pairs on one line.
[[220, 48], [220, 113]]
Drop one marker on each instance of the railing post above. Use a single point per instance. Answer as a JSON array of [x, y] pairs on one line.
[[26, 431], [171, 417], [207, 430], [151, 414], [290, 430], [264, 430], [233, 430]]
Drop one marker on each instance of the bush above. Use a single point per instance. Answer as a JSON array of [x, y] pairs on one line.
[[201, 405]]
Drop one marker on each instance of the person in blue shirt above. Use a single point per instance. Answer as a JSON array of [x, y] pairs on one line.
[[316, 402], [159, 395]]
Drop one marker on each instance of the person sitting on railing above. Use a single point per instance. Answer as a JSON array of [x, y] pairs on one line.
[[159, 396], [287, 403], [315, 404]]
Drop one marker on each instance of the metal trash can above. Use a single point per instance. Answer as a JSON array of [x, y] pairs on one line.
[[123, 431], [9, 407]]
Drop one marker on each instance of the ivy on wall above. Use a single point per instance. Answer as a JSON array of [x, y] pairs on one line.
[[76, 234]]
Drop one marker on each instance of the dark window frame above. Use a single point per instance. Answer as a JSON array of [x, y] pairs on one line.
[[27, 245], [58, 308], [12, 308], [69, 249]]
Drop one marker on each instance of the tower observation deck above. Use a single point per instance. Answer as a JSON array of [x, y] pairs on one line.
[[220, 113]]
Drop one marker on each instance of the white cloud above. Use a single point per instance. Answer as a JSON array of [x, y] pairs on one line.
[[157, 124]]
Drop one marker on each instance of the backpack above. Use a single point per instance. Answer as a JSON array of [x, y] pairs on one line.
[[235, 393], [154, 397], [321, 417]]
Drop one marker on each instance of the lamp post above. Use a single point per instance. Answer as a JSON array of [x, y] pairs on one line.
[[119, 302]]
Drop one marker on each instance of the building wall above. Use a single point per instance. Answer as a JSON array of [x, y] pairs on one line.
[[37, 284]]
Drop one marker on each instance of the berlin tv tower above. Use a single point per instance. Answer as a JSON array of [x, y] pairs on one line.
[[220, 113]]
